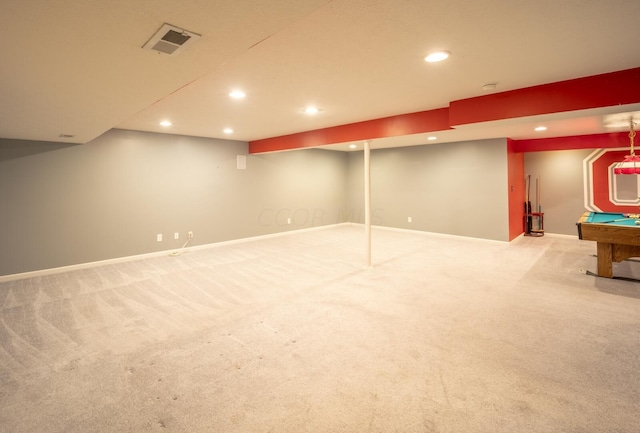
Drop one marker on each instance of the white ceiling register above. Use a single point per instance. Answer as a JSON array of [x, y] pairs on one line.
[[171, 40]]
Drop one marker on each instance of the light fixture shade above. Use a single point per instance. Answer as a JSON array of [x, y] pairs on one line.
[[630, 165]]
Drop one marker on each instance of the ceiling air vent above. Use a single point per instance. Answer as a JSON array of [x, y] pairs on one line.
[[171, 40]]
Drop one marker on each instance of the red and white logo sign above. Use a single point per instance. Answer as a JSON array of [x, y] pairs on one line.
[[605, 191]]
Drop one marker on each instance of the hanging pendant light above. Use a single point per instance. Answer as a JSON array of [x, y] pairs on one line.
[[631, 163]]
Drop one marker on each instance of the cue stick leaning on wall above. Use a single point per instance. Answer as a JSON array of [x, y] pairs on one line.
[[527, 206], [539, 193]]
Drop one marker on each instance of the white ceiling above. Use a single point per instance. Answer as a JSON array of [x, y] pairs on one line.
[[77, 67]]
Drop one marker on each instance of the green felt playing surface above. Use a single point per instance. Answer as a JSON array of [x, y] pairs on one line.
[[611, 218]]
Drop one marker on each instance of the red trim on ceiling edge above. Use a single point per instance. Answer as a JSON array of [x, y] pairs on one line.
[[604, 90], [394, 126], [594, 141]]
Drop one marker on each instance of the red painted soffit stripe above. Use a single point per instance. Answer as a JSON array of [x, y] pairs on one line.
[[595, 141], [404, 124], [605, 90]]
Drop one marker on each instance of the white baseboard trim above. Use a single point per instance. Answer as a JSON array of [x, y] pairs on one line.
[[173, 252], [560, 235], [435, 234], [177, 251], [447, 235]]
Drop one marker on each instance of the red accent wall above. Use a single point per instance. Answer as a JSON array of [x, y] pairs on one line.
[[515, 190]]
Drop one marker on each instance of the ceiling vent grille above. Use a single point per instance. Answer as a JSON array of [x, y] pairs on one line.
[[171, 40]]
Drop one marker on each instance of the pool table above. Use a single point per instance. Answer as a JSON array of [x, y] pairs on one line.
[[617, 236]]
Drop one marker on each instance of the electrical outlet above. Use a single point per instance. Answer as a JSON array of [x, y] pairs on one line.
[[190, 235], [409, 219], [176, 235], [159, 237]]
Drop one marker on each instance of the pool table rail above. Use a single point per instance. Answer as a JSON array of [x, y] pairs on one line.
[[615, 242]]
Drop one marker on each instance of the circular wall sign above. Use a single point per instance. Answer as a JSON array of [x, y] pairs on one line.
[[605, 191]]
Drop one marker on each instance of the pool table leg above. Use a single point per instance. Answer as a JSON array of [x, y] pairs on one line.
[[605, 260]]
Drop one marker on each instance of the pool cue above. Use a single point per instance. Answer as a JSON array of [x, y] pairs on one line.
[[613, 221], [535, 205], [528, 205], [536, 202], [526, 208], [539, 188], [526, 214]]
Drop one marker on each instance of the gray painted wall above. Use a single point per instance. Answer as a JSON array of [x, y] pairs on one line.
[[70, 204], [109, 198], [453, 188], [562, 187]]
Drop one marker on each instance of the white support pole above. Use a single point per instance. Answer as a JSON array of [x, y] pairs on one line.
[[367, 202]]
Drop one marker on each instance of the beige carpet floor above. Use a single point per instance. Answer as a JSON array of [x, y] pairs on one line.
[[293, 334]]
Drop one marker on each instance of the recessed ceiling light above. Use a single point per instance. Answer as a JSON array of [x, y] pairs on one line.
[[311, 110], [227, 131], [165, 123], [352, 146], [431, 138], [237, 94], [437, 56], [540, 128]]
